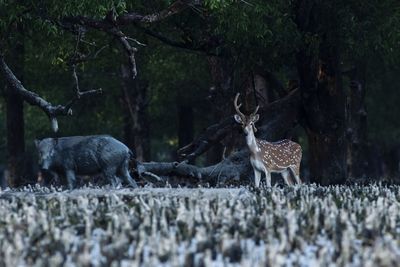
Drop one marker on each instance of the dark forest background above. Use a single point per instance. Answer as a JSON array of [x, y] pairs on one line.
[[325, 74]]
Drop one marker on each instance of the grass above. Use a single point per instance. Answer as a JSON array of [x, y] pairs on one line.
[[282, 226]]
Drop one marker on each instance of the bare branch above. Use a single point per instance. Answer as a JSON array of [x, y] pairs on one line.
[[104, 25], [100, 50], [205, 48], [75, 76], [33, 98], [136, 41], [232, 167], [76, 57], [277, 118], [283, 118], [173, 9], [78, 92], [129, 50], [210, 137], [111, 23], [80, 58], [125, 74]]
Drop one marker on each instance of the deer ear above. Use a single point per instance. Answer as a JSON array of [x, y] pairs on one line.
[[238, 119], [255, 118], [36, 141]]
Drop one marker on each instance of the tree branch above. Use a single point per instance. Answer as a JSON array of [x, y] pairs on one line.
[[34, 99], [235, 167], [129, 49], [210, 137], [78, 92], [131, 17], [164, 39], [111, 25], [277, 119], [79, 58], [107, 27]]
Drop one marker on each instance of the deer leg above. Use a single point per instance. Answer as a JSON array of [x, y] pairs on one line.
[[267, 177], [257, 177], [296, 174], [286, 177]]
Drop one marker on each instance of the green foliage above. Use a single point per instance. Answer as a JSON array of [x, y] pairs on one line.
[[252, 32], [383, 105], [174, 77], [258, 29], [218, 4]]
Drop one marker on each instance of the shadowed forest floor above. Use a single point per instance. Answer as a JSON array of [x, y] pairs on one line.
[[297, 226]]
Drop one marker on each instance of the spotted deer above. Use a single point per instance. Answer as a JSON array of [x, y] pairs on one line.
[[267, 157]]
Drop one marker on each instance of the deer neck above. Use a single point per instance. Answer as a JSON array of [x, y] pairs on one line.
[[252, 143]]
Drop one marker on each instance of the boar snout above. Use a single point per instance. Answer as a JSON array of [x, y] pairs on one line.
[[45, 165]]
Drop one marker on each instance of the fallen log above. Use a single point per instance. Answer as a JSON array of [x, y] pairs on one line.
[[278, 119]]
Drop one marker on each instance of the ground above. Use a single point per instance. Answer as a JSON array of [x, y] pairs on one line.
[[283, 226]]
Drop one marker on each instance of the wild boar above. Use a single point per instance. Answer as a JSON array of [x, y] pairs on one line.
[[85, 155]]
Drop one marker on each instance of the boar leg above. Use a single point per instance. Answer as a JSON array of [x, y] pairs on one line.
[[70, 178], [110, 175], [125, 174], [115, 181], [48, 178], [128, 178]]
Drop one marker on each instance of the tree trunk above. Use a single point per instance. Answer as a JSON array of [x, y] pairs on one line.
[[220, 93], [357, 126], [185, 124], [136, 128], [15, 138], [16, 163], [323, 97], [325, 117]]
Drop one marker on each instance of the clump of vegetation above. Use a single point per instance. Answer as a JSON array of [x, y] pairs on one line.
[[300, 226]]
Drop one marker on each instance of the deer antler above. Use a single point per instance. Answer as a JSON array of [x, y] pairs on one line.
[[255, 111], [237, 107]]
